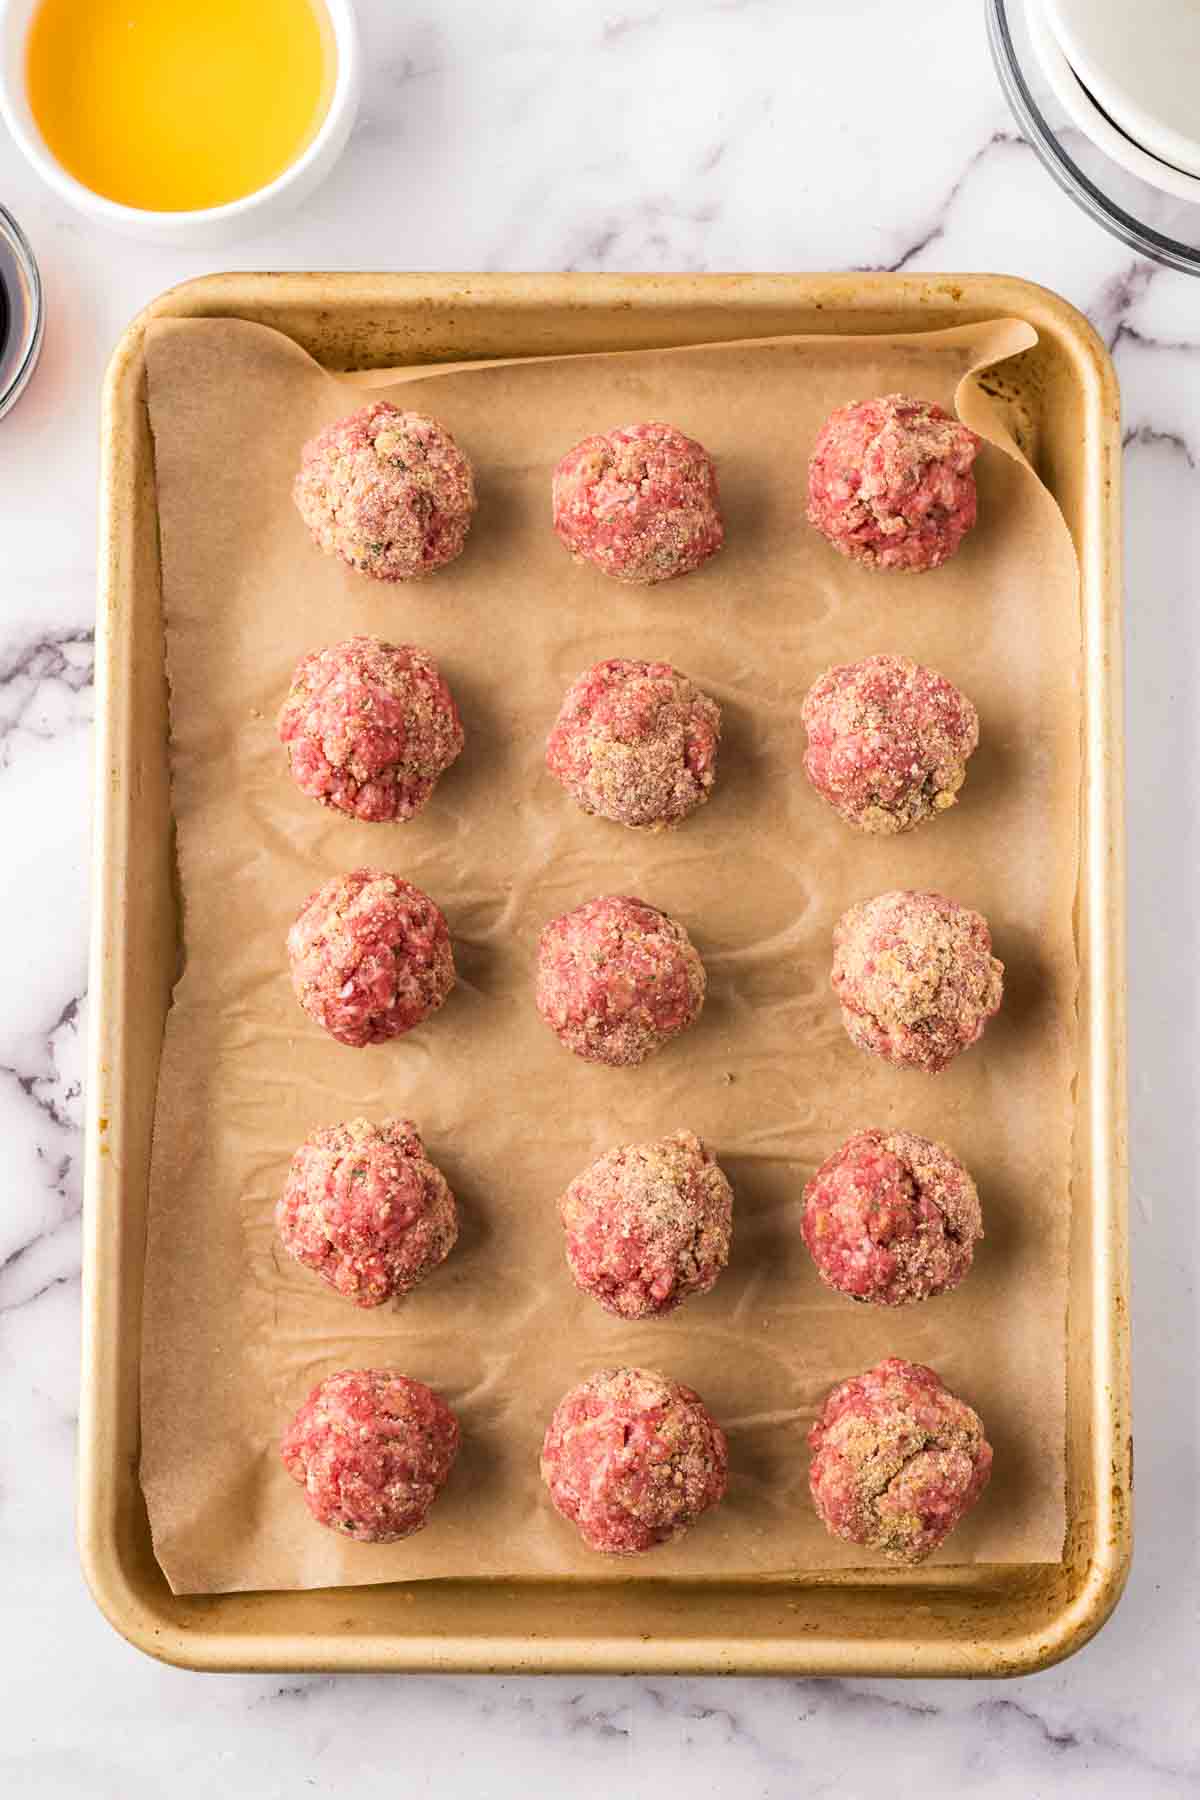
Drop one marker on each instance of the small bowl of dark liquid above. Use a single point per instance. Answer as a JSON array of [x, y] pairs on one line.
[[21, 311]]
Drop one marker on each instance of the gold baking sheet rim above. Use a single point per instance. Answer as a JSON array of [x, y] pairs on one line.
[[1062, 405]]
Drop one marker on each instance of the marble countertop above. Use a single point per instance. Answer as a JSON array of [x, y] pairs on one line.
[[692, 134]]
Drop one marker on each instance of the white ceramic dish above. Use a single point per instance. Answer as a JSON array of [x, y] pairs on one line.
[[206, 226], [1152, 223], [1082, 110], [1140, 64]]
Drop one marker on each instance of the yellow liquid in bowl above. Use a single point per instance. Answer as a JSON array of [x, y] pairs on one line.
[[173, 105]]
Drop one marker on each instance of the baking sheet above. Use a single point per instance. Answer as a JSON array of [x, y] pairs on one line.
[[234, 1334]]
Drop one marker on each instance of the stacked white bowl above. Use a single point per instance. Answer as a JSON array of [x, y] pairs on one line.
[[1127, 77]]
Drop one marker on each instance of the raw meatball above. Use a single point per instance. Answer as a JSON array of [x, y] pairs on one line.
[[897, 1460], [916, 977], [365, 1208], [890, 482], [891, 1218], [616, 979], [648, 1224], [372, 1451], [369, 727], [888, 742], [636, 742], [390, 492], [370, 956], [639, 502], [633, 1459]]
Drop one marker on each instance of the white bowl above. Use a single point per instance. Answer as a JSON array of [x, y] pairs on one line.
[[1139, 59], [1082, 110], [206, 226]]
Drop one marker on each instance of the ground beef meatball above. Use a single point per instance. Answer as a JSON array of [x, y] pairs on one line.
[[890, 482], [390, 492], [888, 742], [616, 979], [891, 1218], [365, 1208], [916, 977], [369, 727], [370, 956], [639, 502], [636, 742], [648, 1224], [897, 1460], [372, 1451], [633, 1459]]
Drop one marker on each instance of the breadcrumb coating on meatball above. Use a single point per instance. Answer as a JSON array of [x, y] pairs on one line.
[[366, 1210], [388, 492], [891, 484], [897, 1460], [617, 979], [636, 742], [888, 742], [370, 957], [369, 727], [640, 502], [648, 1225], [916, 977], [633, 1459], [372, 1450], [891, 1218]]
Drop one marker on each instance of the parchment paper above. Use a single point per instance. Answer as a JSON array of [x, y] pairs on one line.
[[234, 1333]]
